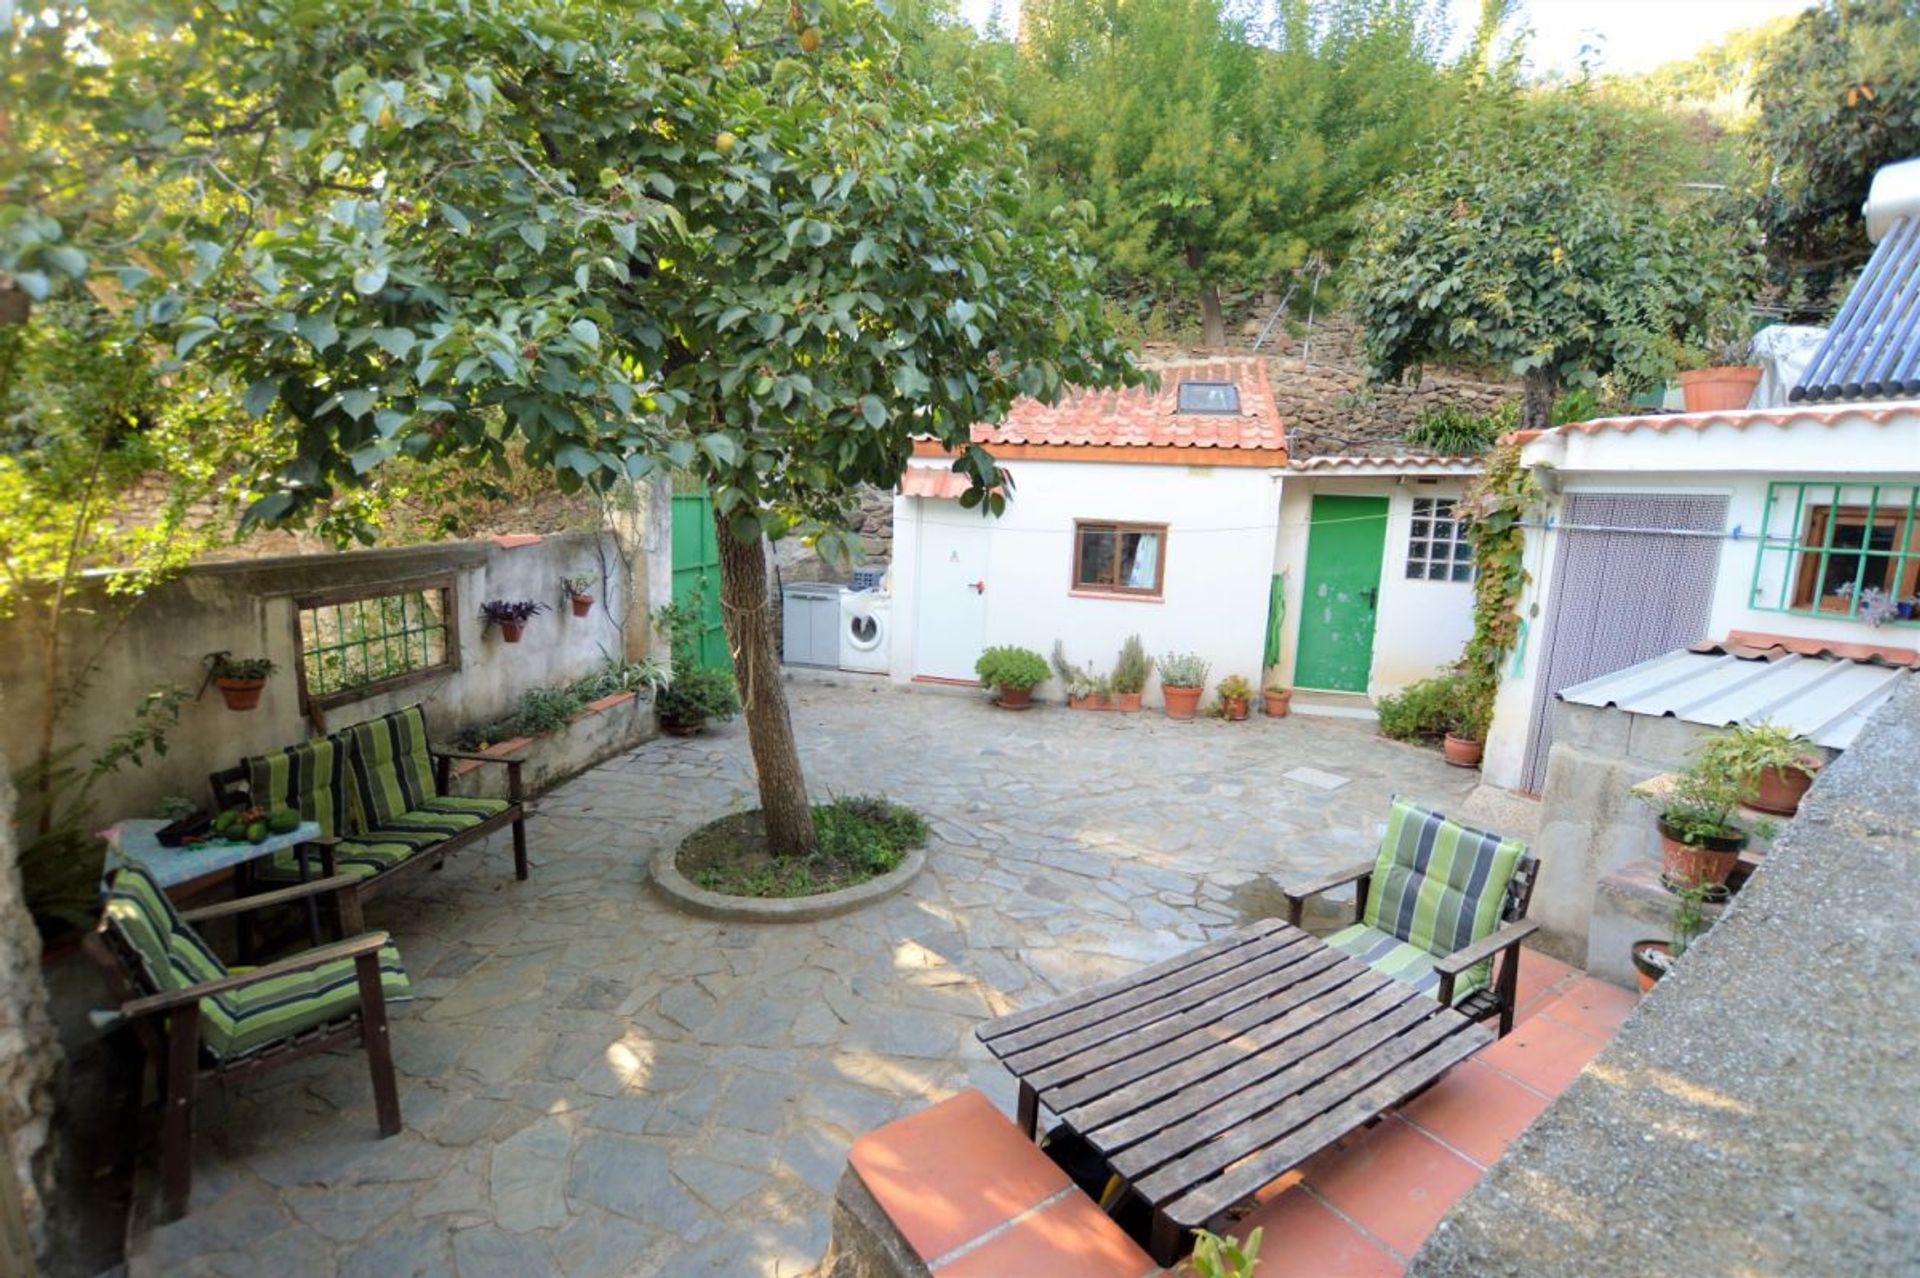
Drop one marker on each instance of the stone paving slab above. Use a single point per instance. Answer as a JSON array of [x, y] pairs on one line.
[[595, 1084]]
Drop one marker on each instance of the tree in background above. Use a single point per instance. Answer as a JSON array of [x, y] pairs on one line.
[[1551, 239], [591, 241], [1218, 151], [1838, 96]]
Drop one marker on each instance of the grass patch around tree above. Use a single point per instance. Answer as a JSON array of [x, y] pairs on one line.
[[861, 837]]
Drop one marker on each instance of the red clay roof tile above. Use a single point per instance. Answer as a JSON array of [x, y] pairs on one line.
[[1142, 418]]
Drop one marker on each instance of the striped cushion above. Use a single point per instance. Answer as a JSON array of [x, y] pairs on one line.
[[392, 768], [255, 1016], [1439, 885], [1403, 962], [173, 957], [432, 822], [310, 778]]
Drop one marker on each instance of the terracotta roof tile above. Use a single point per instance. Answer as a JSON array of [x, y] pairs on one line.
[[1741, 419], [930, 481], [1751, 645], [1141, 418]]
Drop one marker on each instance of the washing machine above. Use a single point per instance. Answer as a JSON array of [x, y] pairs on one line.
[[866, 631]]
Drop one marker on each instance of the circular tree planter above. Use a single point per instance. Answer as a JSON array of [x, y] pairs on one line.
[[691, 898]]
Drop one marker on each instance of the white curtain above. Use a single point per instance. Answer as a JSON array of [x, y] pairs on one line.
[[1146, 562]]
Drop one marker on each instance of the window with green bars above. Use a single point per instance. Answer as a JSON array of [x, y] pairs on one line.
[[353, 645], [1841, 550]]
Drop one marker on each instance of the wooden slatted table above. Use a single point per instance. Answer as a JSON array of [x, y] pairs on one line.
[[1203, 1078]]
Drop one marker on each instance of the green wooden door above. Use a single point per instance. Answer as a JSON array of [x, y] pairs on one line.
[[1341, 593], [696, 569]]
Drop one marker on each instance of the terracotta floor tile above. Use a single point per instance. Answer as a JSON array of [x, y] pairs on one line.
[[1540, 973], [952, 1172], [1476, 1110], [1543, 1053], [1303, 1238], [1593, 1006], [1395, 1182], [1070, 1239]]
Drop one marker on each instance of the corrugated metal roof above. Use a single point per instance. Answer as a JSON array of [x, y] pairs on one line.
[[1823, 699], [1873, 348]]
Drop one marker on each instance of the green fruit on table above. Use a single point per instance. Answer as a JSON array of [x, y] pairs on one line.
[[285, 821], [224, 823], [257, 832]]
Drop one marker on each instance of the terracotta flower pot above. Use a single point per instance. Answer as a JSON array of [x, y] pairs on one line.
[[1235, 707], [510, 630], [240, 694], [1705, 864], [1779, 790], [1707, 390], [1650, 970], [1182, 703], [1015, 698], [1462, 752], [582, 604], [1275, 705], [1123, 701]]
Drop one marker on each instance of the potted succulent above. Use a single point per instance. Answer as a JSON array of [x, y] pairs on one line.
[[1775, 767], [1276, 701], [579, 594], [511, 615], [696, 696], [1235, 694], [1183, 677], [239, 679], [1653, 959], [1013, 673], [1717, 377], [1467, 716]]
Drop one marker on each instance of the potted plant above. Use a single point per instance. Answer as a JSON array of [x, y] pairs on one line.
[[1775, 767], [1276, 701], [1653, 959], [579, 594], [1117, 691], [1014, 673], [1467, 714], [1235, 694], [1183, 677], [511, 615], [1717, 378], [695, 697], [239, 679], [1131, 670], [1699, 842]]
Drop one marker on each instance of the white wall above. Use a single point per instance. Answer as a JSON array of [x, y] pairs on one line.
[[1219, 561], [1421, 626], [1717, 460]]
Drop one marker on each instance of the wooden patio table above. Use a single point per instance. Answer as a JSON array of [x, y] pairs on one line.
[[1202, 1078]]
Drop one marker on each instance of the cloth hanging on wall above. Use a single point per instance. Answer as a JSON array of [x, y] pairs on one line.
[[1276, 610]]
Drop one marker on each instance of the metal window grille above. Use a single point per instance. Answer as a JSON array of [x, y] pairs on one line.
[[1437, 547], [355, 644], [1840, 550]]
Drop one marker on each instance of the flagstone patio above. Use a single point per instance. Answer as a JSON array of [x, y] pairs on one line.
[[595, 1084]]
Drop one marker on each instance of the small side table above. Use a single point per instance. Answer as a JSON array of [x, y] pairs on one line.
[[134, 840]]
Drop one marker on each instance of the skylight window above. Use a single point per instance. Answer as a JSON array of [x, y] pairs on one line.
[[1209, 397]]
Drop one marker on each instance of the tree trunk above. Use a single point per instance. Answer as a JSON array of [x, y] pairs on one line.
[[1213, 322], [745, 607], [1542, 387]]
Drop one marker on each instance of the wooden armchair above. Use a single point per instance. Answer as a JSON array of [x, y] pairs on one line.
[[203, 1025], [1432, 865]]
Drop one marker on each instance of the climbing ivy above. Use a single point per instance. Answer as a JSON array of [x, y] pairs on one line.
[[1496, 505]]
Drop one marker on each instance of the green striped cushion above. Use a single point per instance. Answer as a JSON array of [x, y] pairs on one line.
[[309, 778], [1439, 885], [392, 768], [171, 954], [254, 1016], [432, 822], [1402, 962]]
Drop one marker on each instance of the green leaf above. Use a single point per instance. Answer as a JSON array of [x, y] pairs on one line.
[[534, 234], [455, 219], [586, 332], [319, 331], [359, 402], [396, 342], [370, 279], [874, 411], [260, 396], [722, 447], [66, 259], [731, 316], [745, 527]]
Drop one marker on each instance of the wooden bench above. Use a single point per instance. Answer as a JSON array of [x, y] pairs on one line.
[[956, 1191]]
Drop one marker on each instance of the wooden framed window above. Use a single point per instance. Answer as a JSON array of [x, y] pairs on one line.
[[1437, 545], [1114, 558], [1847, 550], [356, 643]]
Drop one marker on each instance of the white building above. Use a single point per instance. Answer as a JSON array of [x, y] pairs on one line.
[[1176, 515]]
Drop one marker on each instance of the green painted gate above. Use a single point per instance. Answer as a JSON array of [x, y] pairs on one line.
[[1341, 593], [696, 569]]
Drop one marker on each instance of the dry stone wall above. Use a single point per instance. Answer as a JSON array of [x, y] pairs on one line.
[[29, 1057]]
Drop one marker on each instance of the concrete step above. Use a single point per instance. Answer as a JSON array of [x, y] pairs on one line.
[[1334, 705], [1631, 904]]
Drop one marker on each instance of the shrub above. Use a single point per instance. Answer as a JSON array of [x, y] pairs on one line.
[[547, 709], [225, 665], [1234, 688], [697, 696], [1424, 711], [867, 831], [1454, 431], [1132, 669], [1183, 670], [1011, 667]]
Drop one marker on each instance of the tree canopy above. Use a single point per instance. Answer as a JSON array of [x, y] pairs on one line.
[[1551, 239]]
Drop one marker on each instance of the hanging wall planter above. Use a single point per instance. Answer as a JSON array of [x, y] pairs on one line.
[[579, 594], [239, 679], [511, 615]]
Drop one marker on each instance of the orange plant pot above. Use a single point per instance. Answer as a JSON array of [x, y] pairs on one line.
[[1779, 790], [1182, 703], [510, 631], [582, 605], [1461, 752], [1685, 864], [240, 694], [1275, 705], [1235, 707], [1016, 698], [1707, 390]]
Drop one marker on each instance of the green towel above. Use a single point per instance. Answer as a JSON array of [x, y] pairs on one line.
[[1276, 609]]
